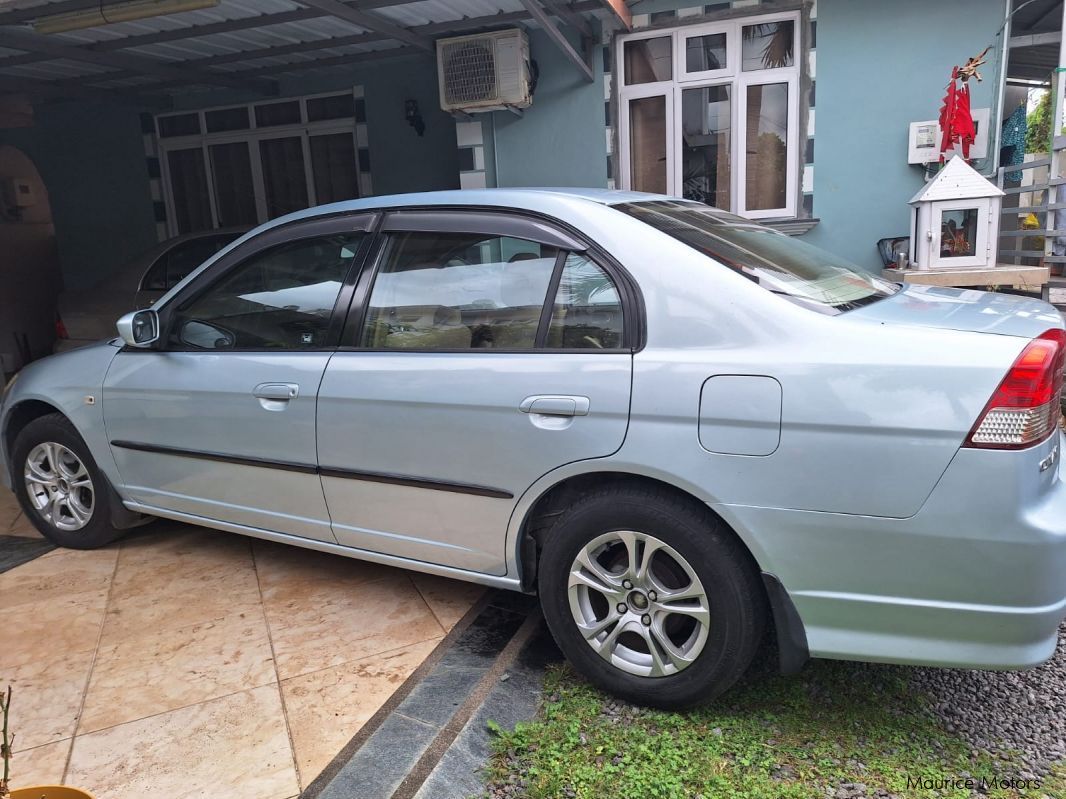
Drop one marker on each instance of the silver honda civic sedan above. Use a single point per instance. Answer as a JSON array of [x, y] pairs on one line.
[[680, 428]]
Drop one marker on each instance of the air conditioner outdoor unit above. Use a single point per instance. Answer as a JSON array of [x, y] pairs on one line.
[[484, 72]]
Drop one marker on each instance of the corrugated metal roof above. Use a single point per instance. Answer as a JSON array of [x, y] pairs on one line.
[[254, 40]]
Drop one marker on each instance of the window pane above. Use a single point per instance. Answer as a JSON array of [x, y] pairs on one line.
[[458, 291], [280, 299], [647, 144], [648, 60], [339, 106], [704, 53], [284, 178], [188, 187], [179, 125], [958, 232], [705, 131], [769, 45], [231, 166], [766, 147], [333, 165], [272, 114], [226, 119], [588, 311]]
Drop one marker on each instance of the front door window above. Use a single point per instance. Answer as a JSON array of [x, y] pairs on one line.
[[280, 299], [711, 113]]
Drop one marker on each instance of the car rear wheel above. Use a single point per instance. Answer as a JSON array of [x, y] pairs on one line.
[[59, 486], [650, 597]]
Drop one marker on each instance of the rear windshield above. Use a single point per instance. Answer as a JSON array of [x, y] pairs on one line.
[[782, 264]]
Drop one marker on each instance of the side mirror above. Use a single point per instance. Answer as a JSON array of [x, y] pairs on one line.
[[139, 328]]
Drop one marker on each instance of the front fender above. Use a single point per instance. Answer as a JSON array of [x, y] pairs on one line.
[[71, 382]]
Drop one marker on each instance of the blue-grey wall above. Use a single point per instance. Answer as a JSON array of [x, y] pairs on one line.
[[880, 66], [560, 139], [91, 158], [400, 159]]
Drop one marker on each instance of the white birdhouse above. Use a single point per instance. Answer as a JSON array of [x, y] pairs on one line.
[[955, 222]]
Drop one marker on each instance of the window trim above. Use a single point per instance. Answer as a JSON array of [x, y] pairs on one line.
[[362, 222], [739, 81], [512, 222]]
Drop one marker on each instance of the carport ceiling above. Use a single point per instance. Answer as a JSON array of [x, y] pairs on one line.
[[1035, 33], [250, 44]]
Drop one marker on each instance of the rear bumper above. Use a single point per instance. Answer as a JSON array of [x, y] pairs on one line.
[[975, 579]]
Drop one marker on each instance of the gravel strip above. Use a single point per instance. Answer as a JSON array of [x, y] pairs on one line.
[[1004, 713]]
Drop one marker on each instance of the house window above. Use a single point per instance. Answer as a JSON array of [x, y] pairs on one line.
[[711, 113], [240, 166]]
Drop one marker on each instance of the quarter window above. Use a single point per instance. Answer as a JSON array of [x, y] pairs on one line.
[[587, 313], [711, 113], [458, 291], [281, 299]]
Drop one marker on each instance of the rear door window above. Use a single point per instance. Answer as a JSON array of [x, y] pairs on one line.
[[458, 291]]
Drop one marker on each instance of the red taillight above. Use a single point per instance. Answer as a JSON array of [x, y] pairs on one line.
[[1025, 408], [61, 329]]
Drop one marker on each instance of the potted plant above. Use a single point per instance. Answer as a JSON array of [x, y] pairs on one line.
[[7, 741]]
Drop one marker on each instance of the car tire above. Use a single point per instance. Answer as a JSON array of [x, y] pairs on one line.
[[59, 486], [702, 645]]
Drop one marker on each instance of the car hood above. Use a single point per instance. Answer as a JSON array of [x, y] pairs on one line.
[[963, 309]]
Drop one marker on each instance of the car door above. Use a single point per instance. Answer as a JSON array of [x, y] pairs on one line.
[[484, 350], [219, 421]]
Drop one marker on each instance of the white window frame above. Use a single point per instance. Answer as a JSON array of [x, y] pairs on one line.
[[253, 135], [731, 75]]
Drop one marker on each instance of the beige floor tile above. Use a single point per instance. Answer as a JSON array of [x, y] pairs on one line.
[[171, 592], [448, 599], [162, 670], [37, 631], [42, 765], [317, 625], [236, 747], [280, 564], [60, 573], [46, 697], [177, 542], [326, 708]]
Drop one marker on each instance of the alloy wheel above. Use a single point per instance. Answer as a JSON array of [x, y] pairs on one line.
[[638, 603], [59, 486]]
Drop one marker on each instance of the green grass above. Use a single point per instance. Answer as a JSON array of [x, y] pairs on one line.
[[769, 738]]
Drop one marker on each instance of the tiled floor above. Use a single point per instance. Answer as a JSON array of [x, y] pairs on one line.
[[182, 660]]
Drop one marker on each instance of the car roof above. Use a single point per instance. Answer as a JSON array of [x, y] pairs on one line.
[[546, 199]]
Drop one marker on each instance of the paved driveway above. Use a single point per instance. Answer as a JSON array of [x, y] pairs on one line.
[[184, 661]]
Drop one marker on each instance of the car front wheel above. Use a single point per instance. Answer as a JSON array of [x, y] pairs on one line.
[[59, 486], [650, 597]]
